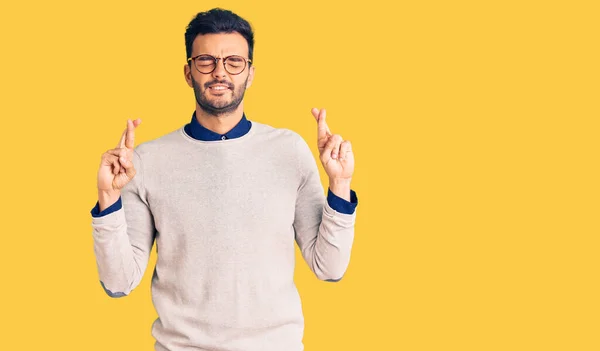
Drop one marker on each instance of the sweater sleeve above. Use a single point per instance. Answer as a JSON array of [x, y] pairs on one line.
[[123, 239], [324, 235]]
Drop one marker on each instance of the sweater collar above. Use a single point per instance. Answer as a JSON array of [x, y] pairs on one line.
[[199, 132]]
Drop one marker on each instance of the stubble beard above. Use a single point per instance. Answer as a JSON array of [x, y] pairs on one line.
[[222, 107]]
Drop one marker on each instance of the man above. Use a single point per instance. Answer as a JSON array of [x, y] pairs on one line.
[[225, 199]]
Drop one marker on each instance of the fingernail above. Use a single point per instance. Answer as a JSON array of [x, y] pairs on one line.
[[334, 156], [123, 160]]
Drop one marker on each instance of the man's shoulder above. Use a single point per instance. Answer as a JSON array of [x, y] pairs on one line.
[[170, 140], [277, 134]]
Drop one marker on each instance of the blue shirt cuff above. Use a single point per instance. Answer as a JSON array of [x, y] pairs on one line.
[[110, 209], [341, 205]]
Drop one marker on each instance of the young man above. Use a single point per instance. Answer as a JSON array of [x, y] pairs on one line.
[[225, 199]]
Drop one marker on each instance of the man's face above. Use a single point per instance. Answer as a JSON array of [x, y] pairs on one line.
[[219, 92]]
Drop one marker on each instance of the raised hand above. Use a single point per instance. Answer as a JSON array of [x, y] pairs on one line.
[[116, 167], [335, 152]]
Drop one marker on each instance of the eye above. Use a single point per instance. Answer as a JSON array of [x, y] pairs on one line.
[[235, 61], [205, 60]]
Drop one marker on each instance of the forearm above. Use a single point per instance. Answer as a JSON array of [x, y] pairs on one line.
[[118, 268], [122, 243], [330, 255], [324, 234]]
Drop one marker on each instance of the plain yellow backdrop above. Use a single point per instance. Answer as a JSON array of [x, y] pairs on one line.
[[475, 129]]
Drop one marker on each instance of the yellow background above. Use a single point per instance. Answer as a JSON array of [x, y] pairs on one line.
[[475, 129]]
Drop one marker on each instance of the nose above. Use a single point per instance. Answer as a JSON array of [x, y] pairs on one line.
[[219, 71]]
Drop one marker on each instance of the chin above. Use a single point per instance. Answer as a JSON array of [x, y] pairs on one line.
[[221, 105]]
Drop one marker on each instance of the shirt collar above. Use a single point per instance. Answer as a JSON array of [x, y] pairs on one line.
[[199, 132]]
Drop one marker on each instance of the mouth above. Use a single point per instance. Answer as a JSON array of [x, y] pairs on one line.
[[219, 88]]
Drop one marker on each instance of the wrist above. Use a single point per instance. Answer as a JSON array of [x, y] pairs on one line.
[[340, 187], [107, 198]]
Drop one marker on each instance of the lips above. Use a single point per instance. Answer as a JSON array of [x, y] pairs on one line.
[[219, 86]]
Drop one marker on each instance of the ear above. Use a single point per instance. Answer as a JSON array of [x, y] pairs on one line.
[[187, 72], [250, 77]]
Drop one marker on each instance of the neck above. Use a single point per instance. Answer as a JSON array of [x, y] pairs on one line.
[[220, 124]]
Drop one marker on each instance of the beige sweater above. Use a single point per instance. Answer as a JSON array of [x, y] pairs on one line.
[[225, 216]]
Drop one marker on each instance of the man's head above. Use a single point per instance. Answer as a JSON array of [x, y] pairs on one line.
[[210, 38]]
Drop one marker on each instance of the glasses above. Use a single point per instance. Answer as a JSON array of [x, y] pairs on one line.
[[206, 64]]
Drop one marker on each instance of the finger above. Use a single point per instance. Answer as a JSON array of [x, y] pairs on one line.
[[335, 152], [122, 140], [315, 112], [323, 129], [322, 134], [346, 151], [327, 151], [130, 135], [324, 114], [112, 161], [122, 153], [129, 170], [119, 152], [322, 142]]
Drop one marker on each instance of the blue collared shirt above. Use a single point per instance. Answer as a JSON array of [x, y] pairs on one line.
[[199, 132]]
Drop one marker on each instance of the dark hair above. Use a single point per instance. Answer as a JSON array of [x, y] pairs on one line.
[[218, 21]]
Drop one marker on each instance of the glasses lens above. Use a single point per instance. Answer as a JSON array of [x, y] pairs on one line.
[[235, 64], [205, 63]]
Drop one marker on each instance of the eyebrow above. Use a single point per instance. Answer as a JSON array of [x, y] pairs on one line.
[[219, 55]]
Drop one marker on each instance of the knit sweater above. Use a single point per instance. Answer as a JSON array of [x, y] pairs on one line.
[[224, 216]]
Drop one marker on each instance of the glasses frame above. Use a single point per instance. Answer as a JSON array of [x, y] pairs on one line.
[[247, 63]]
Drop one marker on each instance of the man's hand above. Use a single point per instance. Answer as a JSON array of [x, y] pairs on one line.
[[336, 156], [116, 167]]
